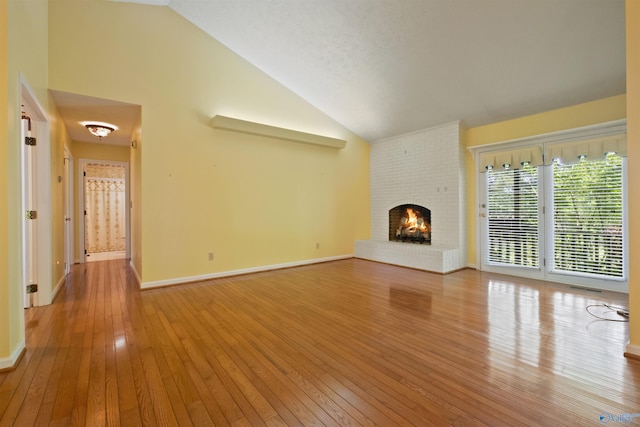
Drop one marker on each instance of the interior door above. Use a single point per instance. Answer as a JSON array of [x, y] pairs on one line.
[[29, 228], [68, 204], [87, 214]]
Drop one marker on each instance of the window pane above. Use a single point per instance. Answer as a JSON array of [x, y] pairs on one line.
[[512, 213], [587, 214]]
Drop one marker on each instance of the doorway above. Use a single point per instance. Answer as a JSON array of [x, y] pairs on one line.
[[105, 213]]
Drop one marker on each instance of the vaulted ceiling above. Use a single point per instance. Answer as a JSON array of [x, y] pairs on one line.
[[383, 68], [387, 67]]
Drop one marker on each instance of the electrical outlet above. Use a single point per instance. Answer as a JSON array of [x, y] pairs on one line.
[[318, 245], [210, 256]]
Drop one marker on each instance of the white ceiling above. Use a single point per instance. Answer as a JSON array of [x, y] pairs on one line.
[[386, 67], [75, 109], [383, 68]]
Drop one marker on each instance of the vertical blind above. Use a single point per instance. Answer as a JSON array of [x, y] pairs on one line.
[[588, 217], [512, 214]]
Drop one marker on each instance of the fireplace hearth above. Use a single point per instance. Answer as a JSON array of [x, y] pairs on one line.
[[410, 223]]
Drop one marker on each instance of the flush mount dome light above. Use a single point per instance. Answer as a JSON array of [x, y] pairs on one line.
[[99, 129]]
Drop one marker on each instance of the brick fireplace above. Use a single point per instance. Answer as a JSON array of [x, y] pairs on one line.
[[423, 169]]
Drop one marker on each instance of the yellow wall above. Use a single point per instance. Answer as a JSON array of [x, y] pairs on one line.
[[6, 344], [91, 151], [95, 151], [59, 139], [251, 201], [600, 111], [25, 52], [633, 152]]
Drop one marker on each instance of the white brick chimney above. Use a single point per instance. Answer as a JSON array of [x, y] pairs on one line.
[[424, 168]]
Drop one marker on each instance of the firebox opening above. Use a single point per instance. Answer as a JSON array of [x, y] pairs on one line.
[[410, 223]]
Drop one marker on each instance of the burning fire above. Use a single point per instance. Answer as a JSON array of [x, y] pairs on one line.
[[413, 224]]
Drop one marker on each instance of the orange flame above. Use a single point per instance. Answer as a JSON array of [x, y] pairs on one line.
[[412, 223]]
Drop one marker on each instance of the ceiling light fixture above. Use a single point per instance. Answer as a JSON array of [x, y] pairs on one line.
[[99, 129]]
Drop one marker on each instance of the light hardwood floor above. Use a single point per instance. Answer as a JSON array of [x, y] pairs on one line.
[[350, 342]]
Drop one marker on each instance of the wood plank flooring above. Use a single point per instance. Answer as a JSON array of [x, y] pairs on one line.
[[350, 342]]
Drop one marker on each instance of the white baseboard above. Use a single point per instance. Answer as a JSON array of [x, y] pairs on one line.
[[10, 362], [474, 266], [135, 272], [55, 290], [633, 350], [181, 280]]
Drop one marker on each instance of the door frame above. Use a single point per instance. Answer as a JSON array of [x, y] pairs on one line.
[[68, 211], [81, 205], [41, 177]]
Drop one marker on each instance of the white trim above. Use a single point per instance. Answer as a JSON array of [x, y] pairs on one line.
[[181, 280], [81, 221], [55, 291], [135, 272], [633, 349], [10, 362], [43, 184], [69, 226]]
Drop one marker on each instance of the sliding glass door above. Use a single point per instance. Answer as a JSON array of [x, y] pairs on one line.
[[513, 218], [563, 221], [588, 218]]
